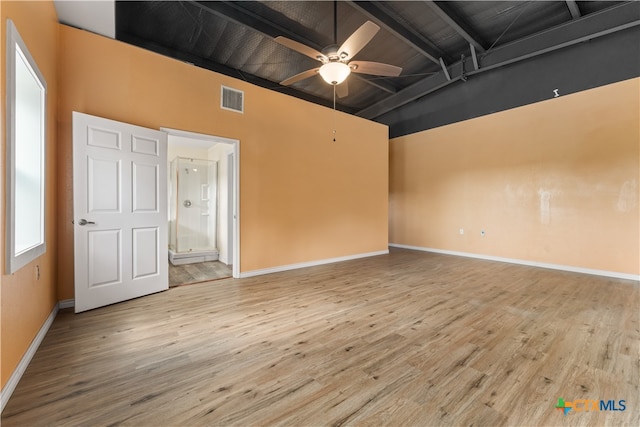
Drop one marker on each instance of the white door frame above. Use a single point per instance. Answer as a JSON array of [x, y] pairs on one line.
[[236, 185], [231, 208]]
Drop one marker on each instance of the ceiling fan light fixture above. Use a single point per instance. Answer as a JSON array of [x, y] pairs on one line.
[[334, 73]]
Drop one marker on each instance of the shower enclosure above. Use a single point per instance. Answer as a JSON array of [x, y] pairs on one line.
[[193, 211]]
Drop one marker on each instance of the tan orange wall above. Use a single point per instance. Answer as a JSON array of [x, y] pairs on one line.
[[303, 198], [554, 182], [25, 301]]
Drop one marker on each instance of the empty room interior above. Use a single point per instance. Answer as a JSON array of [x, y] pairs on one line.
[[420, 213]]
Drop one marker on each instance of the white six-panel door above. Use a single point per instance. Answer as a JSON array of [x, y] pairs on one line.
[[120, 211]]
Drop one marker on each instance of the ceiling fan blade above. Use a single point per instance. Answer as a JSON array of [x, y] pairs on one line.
[[342, 90], [301, 76], [375, 68], [301, 48], [358, 40]]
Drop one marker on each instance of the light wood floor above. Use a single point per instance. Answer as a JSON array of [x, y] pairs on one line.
[[411, 339]]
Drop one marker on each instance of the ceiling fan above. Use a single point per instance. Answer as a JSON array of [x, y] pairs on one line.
[[336, 60]]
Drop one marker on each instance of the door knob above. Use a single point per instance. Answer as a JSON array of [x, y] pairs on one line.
[[85, 222]]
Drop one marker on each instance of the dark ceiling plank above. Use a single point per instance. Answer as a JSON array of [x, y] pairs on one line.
[[413, 92], [379, 83], [374, 11], [607, 21], [573, 9], [246, 18], [444, 12], [235, 13]]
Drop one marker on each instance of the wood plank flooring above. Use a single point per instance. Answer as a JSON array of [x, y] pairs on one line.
[[409, 338], [198, 272]]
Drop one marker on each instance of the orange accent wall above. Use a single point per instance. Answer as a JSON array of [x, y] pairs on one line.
[[26, 302], [554, 182], [303, 197]]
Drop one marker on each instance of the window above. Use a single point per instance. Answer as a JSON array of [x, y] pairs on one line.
[[25, 157]]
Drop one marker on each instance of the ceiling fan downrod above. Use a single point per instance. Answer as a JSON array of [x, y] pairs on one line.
[[335, 22], [334, 113]]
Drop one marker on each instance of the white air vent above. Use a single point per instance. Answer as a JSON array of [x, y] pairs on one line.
[[232, 99]]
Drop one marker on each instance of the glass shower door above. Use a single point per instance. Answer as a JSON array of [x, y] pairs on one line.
[[196, 205]]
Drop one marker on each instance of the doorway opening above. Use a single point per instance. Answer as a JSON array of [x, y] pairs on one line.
[[203, 207]]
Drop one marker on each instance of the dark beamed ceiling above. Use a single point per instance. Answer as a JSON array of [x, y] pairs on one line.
[[436, 43]]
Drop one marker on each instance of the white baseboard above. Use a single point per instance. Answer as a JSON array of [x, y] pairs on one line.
[[594, 272], [11, 385], [66, 303], [281, 268]]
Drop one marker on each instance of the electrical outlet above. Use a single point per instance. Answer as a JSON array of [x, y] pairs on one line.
[[462, 231]]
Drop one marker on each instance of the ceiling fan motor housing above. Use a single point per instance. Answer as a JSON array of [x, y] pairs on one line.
[[331, 54]]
